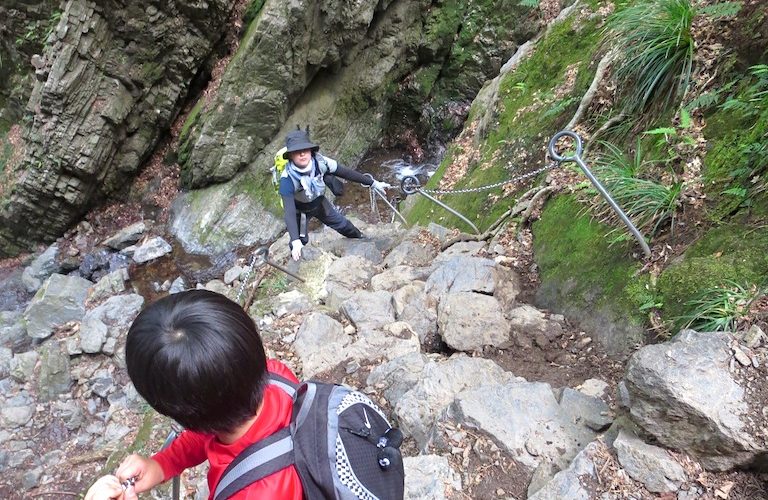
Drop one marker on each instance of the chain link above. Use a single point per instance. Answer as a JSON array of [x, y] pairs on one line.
[[247, 277], [519, 178]]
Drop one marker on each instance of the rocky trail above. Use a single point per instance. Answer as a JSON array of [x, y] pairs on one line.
[[498, 398]]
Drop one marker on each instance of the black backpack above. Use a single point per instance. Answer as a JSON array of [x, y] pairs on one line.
[[339, 441]]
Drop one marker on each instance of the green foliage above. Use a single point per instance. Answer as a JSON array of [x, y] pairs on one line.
[[523, 125], [730, 252], [657, 49], [720, 308], [38, 31], [649, 204], [529, 3], [560, 106], [755, 97], [737, 162]]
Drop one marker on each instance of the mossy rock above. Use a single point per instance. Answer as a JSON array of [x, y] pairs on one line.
[[733, 252], [587, 278], [738, 155], [529, 114]]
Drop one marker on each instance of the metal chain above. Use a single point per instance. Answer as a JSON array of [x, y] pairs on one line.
[[247, 277], [374, 205], [519, 178]]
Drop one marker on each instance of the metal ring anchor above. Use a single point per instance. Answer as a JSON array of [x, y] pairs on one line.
[[576, 157], [552, 148], [410, 184]]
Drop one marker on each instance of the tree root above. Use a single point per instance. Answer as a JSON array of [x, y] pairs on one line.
[[589, 95], [605, 126], [494, 229], [540, 196]]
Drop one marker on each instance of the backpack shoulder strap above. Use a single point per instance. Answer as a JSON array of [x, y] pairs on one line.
[[256, 462], [284, 384], [262, 458]]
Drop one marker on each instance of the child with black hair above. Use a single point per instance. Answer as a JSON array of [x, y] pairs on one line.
[[197, 357]]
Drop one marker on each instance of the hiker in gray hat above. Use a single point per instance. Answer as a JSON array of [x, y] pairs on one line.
[[302, 189]]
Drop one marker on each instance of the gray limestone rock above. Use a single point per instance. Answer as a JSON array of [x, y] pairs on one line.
[[108, 320], [398, 376], [59, 300], [410, 253], [111, 80], [586, 410], [41, 268], [650, 465], [569, 482], [293, 302], [22, 366], [523, 417], [430, 476], [467, 321], [462, 274], [683, 393], [55, 377], [109, 285], [370, 309], [398, 276], [418, 409], [152, 249], [221, 217], [127, 236], [320, 343]]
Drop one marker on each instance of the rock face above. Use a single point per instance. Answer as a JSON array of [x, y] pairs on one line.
[[684, 393], [114, 75], [112, 78], [22, 35]]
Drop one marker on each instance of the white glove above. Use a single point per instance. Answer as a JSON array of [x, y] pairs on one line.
[[296, 246], [381, 187]]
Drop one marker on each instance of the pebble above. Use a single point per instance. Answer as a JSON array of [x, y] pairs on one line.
[[742, 357]]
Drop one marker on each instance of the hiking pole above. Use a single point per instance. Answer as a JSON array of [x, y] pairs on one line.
[[410, 184], [576, 157], [263, 255]]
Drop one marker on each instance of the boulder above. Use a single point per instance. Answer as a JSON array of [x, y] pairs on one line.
[[467, 321], [440, 382], [524, 418], [319, 343], [683, 393], [649, 464], [59, 300], [430, 476]]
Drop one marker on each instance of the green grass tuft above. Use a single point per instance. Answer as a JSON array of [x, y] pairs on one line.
[[720, 308], [657, 52]]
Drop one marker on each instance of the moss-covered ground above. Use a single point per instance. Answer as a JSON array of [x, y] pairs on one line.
[[572, 248]]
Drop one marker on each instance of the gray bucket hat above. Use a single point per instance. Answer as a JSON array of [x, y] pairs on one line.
[[298, 140]]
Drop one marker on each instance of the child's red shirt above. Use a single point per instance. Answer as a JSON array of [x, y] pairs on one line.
[[193, 448]]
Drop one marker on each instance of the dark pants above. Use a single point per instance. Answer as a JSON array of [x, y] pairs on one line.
[[331, 217]]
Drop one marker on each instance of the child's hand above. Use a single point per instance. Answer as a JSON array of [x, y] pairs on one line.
[[146, 472], [109, 488]]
